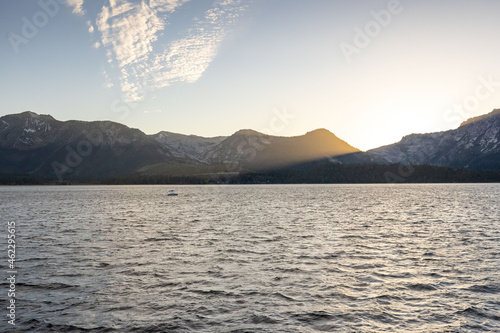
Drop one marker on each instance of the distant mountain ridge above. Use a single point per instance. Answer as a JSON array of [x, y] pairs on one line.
[[493, 113], [259, 151], [33, 144], [191, 146], [39, 144], [474, 145]]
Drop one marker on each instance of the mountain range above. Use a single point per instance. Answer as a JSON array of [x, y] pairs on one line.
[[474, 145], [39, 145]]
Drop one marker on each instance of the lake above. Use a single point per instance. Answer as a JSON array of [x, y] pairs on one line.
[[255, 258]]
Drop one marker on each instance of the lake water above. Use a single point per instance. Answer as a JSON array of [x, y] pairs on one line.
[[277, 258]]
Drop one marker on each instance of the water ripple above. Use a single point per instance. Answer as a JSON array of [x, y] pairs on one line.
[[305, 258]]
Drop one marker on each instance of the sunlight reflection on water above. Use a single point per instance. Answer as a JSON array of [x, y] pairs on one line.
[[290, 258]]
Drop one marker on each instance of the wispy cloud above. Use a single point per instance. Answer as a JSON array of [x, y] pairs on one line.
[[91, 27], [77, 6], [187, 58], [130, 32]]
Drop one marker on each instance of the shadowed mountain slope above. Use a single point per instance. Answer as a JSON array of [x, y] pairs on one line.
[[40, 145], [255, 150], [475, 145]]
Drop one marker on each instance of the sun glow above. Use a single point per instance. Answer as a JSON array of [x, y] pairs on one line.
[[388, 121]]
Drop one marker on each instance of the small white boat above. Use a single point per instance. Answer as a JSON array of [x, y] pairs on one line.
[[172, 193]]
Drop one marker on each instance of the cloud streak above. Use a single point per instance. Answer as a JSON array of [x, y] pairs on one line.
[[187, 58], [77, 6], [133, 35]]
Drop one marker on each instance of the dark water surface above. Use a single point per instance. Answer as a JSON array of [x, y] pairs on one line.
[[291, 258]]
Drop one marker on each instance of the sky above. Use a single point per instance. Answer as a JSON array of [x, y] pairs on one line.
[[369, 71]]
